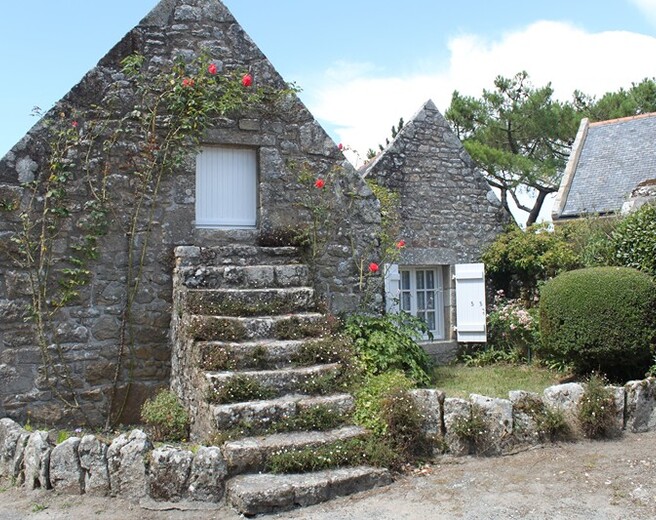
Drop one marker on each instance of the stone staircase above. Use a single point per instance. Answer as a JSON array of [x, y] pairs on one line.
[[245, 330]]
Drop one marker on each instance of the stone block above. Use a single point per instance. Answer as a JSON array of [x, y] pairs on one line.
[[641, 405], [93, 461], [498, 414], [564, 397], [207, 476], [66, 475], [456, 410], [127, 463], [430, 402], [36, 461], [168, 473], [12, 443]]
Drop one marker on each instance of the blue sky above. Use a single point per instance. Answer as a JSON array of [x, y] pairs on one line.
[[361, 64]]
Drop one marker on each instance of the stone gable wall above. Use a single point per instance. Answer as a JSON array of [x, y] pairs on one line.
[[88, 330]]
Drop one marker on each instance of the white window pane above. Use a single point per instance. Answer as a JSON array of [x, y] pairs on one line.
[[420, 279], [430, 279], [430, 320], [405, 280], [405, 301], [421, 301], [431, 300]]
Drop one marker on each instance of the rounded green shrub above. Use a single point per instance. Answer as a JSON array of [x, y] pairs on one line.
[[600, 319], [166, 417], [634, 240]]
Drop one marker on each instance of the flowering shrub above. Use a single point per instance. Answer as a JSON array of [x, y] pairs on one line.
[[512, 327]]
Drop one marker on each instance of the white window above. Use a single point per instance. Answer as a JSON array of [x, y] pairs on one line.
[[421, 294], [226, 187]]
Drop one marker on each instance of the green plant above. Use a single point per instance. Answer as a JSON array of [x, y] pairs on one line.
[[214, 358], [518, 261], [404, 424], [166, 417], [473, 430], [551, 423], [600, 319], [512, 328], [489, 355], [389, 342], [350, 452], [597, 410], [370, 396], [634, 240], [330, 349], [238, 389]]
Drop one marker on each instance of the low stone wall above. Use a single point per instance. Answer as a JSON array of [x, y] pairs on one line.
[[131, 467]]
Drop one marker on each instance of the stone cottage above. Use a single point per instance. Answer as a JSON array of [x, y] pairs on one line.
[[610, 168], [120, 264], [448, 214]]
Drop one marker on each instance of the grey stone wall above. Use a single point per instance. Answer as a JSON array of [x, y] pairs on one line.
[[130, 467], [87, 331]]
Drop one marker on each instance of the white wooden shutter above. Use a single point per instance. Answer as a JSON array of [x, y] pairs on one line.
[[392, 287], [470, 303], [226, 187]]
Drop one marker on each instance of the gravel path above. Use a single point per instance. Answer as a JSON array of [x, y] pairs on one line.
[[614, 480]]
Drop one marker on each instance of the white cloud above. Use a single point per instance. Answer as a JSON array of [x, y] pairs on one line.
[[361, 106], [648, 8]]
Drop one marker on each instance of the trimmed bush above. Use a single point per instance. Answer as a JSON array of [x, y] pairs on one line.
[[600, 319], [166, 417]]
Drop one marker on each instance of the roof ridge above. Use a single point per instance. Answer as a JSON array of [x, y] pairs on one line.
[[623, 119]]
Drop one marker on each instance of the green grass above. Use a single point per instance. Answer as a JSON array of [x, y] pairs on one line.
[[493, 380]]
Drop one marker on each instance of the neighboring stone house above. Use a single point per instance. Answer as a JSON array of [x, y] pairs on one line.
[[449, 214], [247, 187], [611, 169]]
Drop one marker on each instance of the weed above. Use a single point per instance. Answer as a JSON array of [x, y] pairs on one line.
[[166, 417], [473, 430], [331, 349], [239, 389], [62, 435], [404, 422], [351, 452], [551, 423], [215, 358], [37, 508], [597, 410]]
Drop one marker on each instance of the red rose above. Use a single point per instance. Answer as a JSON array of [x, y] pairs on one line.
[[340, 146], [373, 267], [319, 183], [212, 69], [400, 244], [74, 124], [247, 80], [187, 82]]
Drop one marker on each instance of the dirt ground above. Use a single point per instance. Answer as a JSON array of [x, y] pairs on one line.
[[586, 480]]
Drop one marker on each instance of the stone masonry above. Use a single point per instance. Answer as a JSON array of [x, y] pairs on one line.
[[87, 331]]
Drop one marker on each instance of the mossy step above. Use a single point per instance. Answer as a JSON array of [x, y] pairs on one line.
[[247, 277], [249, 302], [216, 356], [250, 454], [303, 380], [236, 254], [267, 493], [232, 328], [262, 414]]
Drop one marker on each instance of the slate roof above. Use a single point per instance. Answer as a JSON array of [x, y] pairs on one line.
[[608, 160]]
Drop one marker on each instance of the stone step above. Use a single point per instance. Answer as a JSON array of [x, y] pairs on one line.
[[237, 254], [248, 302], [250, 454], [282, 327], [218, 356], [262, 414], [226, 355], [244, 277], [268, 493], [302, 380]]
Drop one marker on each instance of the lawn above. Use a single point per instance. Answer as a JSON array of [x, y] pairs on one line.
[[494, 380]]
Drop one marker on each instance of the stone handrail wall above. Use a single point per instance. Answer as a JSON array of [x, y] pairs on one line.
[[132, 467]]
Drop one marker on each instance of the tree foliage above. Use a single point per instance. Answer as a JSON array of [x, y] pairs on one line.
[[639, 99], [519, 136]]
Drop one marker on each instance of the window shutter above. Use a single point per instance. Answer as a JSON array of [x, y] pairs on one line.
[[470, 303], [226, 187], [392, 287]]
